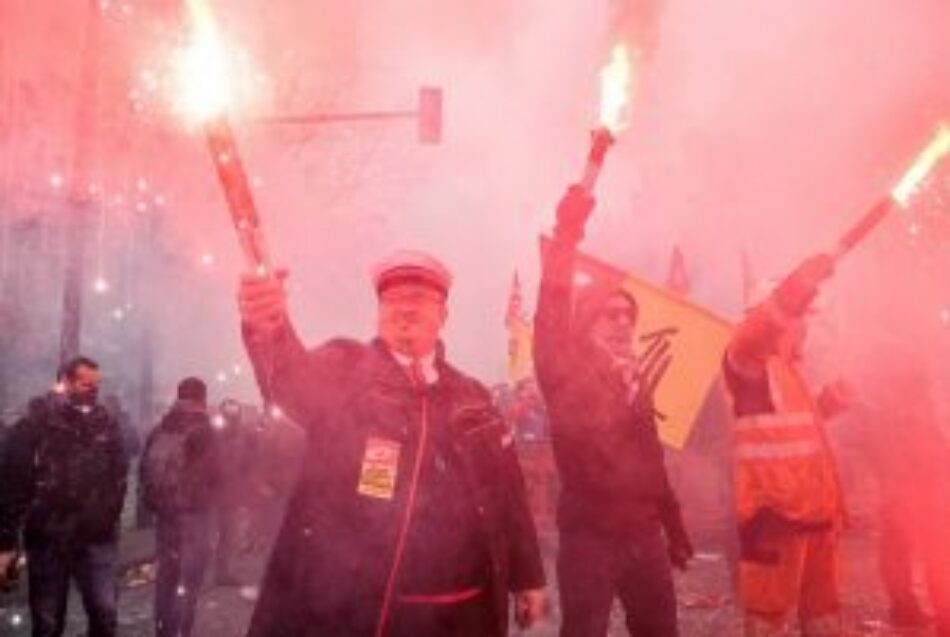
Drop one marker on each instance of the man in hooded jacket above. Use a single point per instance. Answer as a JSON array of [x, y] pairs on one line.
[[616, 504], [180, 474]]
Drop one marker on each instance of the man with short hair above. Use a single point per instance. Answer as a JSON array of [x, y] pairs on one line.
[[618, 519], [180, 477], [64, 479], [410, 517]]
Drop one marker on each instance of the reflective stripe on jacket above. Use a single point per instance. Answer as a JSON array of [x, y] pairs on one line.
[[782, 459]]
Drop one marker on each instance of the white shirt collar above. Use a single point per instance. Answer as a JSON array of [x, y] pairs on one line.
[[429, 370]]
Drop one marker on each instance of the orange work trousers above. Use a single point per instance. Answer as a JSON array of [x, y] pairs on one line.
[[803, 576]]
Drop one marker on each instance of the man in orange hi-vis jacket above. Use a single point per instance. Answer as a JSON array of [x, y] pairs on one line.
[[789, 506]]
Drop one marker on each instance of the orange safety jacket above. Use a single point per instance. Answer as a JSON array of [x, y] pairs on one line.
[[782, 459]]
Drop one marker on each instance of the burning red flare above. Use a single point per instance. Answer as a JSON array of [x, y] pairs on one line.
[[616, 80], [928, 158], [207, 95], [212, 77]]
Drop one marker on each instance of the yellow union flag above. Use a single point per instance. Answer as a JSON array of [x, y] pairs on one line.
[[696, 337]]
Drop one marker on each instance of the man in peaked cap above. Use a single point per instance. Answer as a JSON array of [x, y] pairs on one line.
[[410, 516], [408, 265]]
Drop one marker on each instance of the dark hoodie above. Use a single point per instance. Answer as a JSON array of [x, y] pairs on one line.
[[202, 464], [614, 480]]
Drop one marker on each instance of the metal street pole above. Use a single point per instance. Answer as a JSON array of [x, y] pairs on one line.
[[428, 115], [79, 201]]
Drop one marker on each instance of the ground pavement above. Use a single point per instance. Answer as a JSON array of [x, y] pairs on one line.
[[706, 605]]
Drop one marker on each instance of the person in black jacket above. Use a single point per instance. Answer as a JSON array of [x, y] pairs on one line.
[[180, 477], [410, 517], [616, 499], [64, 480]]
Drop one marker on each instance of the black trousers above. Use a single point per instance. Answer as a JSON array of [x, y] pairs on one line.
[[51, 566], [593, 570]]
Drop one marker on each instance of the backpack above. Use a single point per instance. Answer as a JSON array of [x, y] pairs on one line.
[[171, 481]]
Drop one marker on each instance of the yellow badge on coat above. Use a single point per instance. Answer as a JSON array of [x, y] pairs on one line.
[[379, 470]]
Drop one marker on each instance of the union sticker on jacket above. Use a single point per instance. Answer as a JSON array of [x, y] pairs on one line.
[[380, 466]]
